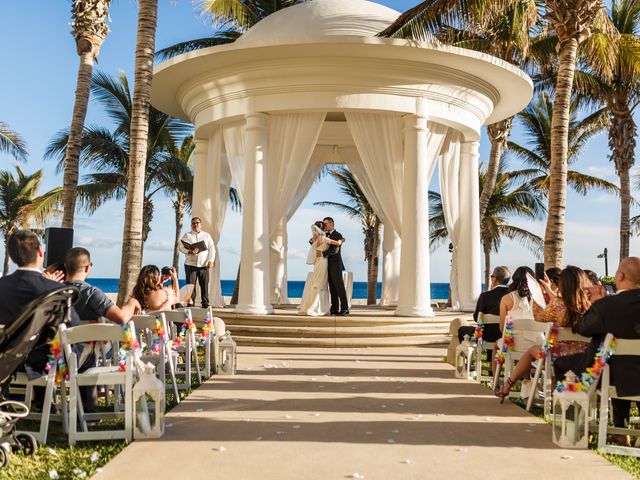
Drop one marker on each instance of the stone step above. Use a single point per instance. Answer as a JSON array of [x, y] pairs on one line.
[[361, 342], [338, 331]]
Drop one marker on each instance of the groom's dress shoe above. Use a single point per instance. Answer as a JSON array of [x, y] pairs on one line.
[[342, 313]]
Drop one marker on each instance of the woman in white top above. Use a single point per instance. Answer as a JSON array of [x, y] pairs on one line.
[[315, 299]]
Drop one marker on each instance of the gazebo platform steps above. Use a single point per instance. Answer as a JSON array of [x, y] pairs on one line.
[[364, 327]]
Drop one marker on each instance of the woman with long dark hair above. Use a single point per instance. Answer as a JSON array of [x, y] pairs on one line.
[[565, 309], [150, 293]]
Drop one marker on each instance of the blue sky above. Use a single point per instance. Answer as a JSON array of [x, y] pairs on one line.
[[36, 99]]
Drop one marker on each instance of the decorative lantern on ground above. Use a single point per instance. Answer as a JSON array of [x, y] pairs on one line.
[[228, 355], [148, 405], [464, 354], [571, 414]]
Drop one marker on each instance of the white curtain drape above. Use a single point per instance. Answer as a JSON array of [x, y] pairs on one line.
[[449, 191], [233, 135], [379, 140], [292, 139], [218, 183]]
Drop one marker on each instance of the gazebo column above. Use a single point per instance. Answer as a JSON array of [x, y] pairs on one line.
[[415, 285], [469, 258], [391, 248], [278, 265], [254, 295]]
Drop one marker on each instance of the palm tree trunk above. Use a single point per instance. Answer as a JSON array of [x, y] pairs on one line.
[[147, 218], [132, 234], [622, 142], [5, 269], [554, 233], [498, 134], [486, 247], [236, 289], [179, 209], [372, 264], [70, 179]]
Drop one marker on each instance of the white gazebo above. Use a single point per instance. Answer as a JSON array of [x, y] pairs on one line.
[[312, 84]]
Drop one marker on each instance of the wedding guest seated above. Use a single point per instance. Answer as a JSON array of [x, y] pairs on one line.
[[489, 303], [18, 289], [593, 276], [93, 303], [553, 276], [150, 293], [619, 315], [566, 307], [168, 277]]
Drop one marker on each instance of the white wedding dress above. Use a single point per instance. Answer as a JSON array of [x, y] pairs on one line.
[[316, 300]]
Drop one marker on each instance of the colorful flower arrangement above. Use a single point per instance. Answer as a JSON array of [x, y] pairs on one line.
[[159, 337], [188, 324], [56, 358], [550, 344], [507, 341], [592, 374], [207, 328], [130, 344], [479, 331]]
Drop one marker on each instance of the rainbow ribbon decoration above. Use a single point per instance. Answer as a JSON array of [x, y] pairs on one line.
[[129, 345], [159, 337], [188, 324], [592, 374], [56, 357], [479, 331], [550, 344], [507, 341]]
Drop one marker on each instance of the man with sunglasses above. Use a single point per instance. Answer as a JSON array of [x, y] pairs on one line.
[[199, 260]]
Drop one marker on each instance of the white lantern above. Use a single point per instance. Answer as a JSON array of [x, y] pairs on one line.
[[148, 405], [464, 354], [228, 352], [571, 415]]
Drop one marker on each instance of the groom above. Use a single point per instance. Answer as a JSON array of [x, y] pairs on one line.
[[339, 302]]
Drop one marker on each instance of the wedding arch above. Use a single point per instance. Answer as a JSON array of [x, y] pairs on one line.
[[312, 84]]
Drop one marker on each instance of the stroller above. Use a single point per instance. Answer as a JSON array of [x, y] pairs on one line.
[[34, 328]]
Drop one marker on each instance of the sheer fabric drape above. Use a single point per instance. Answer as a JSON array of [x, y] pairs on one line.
[[292, 139], [233, 135], [450, 191], [219, 183]]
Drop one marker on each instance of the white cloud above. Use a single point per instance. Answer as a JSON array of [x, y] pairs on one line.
[[88, 241]]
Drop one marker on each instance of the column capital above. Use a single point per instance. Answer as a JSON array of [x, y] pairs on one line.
[[201, 146], [414, 122], [470, 148], [256, 121]]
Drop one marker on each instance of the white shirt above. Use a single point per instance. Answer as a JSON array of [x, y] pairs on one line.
[[199, 259]]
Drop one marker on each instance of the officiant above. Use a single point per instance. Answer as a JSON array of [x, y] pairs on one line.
[[198, 248]]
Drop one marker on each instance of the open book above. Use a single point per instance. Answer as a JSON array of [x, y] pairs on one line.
[[201, 246]]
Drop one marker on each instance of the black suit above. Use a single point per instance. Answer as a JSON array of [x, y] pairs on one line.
[[620, 315], [335, 267], [489, 303]]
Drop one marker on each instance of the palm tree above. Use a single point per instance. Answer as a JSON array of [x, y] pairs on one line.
[[511, 197], [12, 143], [574, 22], [359, 208], [537, 121], [502, 29], [231, 18], [108, 152], [20, 204], [89, 28], [620, 92]]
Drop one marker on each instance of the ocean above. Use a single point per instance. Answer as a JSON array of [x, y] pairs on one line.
[[438, 290]]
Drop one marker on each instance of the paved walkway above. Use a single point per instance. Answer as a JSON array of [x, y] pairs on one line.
[[351, 413]]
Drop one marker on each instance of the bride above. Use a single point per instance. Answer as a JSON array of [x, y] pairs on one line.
[[315, 300]]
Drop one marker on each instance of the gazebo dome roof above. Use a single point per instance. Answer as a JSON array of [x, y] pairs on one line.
[[320, 18]]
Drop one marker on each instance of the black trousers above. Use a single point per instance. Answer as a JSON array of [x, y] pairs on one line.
[[339, 301], [578, 363], [201, 276]]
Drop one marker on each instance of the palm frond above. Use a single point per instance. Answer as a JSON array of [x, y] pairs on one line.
[[12, 143], [222, 37]]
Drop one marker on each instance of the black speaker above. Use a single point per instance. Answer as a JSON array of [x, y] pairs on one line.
[[57, 242]]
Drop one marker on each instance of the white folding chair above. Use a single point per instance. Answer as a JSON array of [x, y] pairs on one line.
[[164, 357], [624, 347], [199, 315], [188, 347], [484, 346], [520, 326], [95, 376], [544, 369], [52, 391]]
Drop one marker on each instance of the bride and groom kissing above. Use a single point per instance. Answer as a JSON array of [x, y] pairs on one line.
[[324, 293]]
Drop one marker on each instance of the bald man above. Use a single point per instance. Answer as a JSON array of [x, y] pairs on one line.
[[620, 315]]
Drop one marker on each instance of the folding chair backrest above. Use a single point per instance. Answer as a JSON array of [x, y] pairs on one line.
[[92, 333], [526, 325], [147, 322], [219, 326], [198, 314], [627, 347], [173, 316], [566, 335], [490, 319]]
